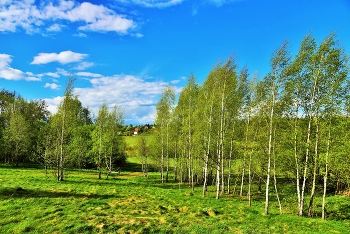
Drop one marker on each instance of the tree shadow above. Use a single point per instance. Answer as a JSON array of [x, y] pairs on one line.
[[19, 192], [93, 181], [131, 167], [21, 166], [174, 185]]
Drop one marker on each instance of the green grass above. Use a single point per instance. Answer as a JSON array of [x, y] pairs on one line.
[[131, 143], [31, 201]]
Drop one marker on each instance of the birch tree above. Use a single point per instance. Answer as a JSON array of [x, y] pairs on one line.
[[65, 125], [143, 154], [113, 140], [336, 73], [164, 109], [274, 81], [328, 83], [205, 117], [296, 91], [188, 104], [98, 136]]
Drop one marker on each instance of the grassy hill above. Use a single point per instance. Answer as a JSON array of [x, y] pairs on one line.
[[31, 201]]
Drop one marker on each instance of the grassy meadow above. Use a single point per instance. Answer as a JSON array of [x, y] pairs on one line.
[[32, 201]]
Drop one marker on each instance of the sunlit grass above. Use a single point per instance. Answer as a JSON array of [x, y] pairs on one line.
[[31, 201]]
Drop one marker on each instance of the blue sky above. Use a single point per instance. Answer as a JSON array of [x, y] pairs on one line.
[[128, 51]]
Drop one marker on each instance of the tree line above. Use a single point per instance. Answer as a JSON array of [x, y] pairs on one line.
[[238, 129], [234, 131], [69, 138]]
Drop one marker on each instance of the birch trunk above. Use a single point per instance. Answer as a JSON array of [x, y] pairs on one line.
[[309, 213], [162, 156], [250, 171], [218, 163], [206, 156], [244, 155], [269, 152], [167, 153], [229, 161], [308, 141], [60, 170], [274, 171], [220, 144], [296, 155], [326, 175]]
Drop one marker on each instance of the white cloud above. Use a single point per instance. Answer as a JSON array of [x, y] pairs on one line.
[[52, 103], [62, 72], [175, 81], [138, 35], [84, 65], [80, 35], [63, 57], [219, 3], [109, 23], [5, 1], [32, 78], [32, 15], [7, 72], [54, 28], [137, 96], [52, 74], [88, 74], [154, 3], [52, 86]]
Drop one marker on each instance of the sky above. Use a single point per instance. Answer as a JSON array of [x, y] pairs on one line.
[[126, 52]]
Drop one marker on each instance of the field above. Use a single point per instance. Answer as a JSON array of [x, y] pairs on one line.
[[31, 201]]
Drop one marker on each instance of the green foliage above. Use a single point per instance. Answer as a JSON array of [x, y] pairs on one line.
[[20, 125], [16, 136], [107, 145], [283, 125]]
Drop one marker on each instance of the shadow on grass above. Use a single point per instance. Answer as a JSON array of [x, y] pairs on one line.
[[21, 166], [92, 182], [131, 167], [19, 192]]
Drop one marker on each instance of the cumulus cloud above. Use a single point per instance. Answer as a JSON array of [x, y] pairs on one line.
[[84, 65], [52, 74], [31, 15], [137, 96], [63, 57], [119, 88], [62, 72], [7, 72], [88, 74], [175, 81], [52, 86], [54, 28], [154, 3], [32, 78], [52, 103]]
